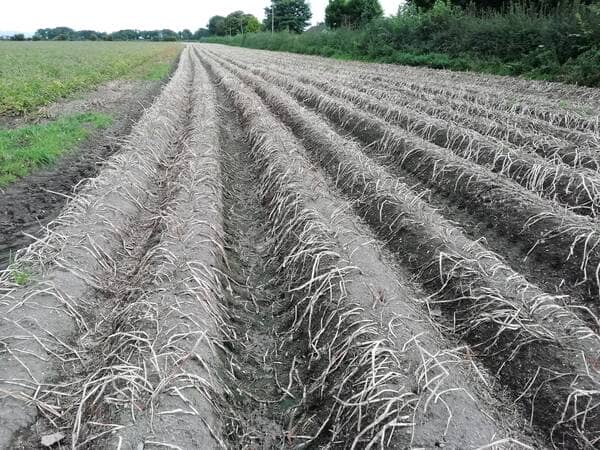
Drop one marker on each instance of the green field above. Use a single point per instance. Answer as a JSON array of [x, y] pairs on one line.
[[33, 74]]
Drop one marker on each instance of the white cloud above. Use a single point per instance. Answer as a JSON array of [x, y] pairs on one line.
[[112, 15]]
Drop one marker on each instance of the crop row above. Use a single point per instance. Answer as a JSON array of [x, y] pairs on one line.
[[570, 146], [481, 293], [550, 230], [359, 377], [115, 319]]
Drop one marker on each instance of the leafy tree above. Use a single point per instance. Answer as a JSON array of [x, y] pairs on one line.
[[86, 35], [62, 33], [125, 35], [186, 35], [290, 15], [234, 23], [352, 13], [217, 26], [168, 35], [365, 10], [239, 22], [17, 37], [150, 35], [335, 14], [251, 24], [201, 33]]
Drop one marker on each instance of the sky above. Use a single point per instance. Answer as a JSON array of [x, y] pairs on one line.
[[112, 15]]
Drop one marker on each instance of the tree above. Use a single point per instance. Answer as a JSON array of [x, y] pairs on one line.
[[216, 26], [186, 35], [201, 33], [125, 35], [168, 35], [251, 24], [150, 35], [41, 34], [234, 23], [290, 15], [239, 22], [62, 33], [18, 37], [86, 35], [352, 13], [335, 14], [497, 5], [365, 10]]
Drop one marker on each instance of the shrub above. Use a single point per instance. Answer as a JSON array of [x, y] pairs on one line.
[[557, 44]]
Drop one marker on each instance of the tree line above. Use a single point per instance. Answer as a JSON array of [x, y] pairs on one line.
[[68, 34], [289, 15], [280, 15]]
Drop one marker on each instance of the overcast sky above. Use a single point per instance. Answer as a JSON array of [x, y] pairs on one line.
[[112, 15]]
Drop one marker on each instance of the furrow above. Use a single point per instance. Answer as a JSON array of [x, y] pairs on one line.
[[524, 104], [580, 189], [551, 231], [559, 145], [505, 318], [331, 343], [256, 367], [173, 325], [553, 103], [415, 343], [288, 180], [547, 141]]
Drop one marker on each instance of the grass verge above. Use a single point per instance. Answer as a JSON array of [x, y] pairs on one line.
[[24, 149]]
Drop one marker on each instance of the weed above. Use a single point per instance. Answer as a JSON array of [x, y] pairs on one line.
[[20, 277]]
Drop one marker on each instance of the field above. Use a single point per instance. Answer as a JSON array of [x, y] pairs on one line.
[[72, 103], [34, 74], [295, 252]]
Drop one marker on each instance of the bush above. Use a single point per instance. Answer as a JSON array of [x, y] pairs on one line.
[[585, 69], [560, 44]]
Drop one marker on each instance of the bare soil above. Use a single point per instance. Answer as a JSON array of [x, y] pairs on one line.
[[256, 267]]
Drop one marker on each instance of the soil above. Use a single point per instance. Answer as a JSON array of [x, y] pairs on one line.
[[251, 293], [29, 204], [243, 274], [386, 217]]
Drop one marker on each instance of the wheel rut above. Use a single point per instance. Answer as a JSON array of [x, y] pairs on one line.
[[251, 293]]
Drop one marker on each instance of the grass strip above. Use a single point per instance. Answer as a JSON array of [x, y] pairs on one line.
[[25, 149]]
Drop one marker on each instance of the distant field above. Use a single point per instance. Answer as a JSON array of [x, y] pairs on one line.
[[33, 74]]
